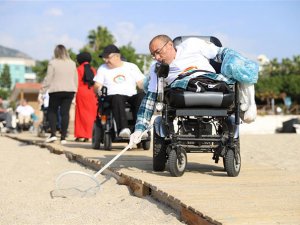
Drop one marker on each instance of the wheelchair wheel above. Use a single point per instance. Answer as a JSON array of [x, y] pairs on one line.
[[107, 141], [146, 145], [159, 152], [232, 163], [177, 164], [96, 137]]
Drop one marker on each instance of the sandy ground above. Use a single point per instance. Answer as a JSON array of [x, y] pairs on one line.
[[27, 178]]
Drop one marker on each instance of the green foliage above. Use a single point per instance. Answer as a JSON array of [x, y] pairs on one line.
[[277, 78], [128, 52], [98, 39], [4, 93], [269, 87], [101, 37], [40, 69], [5, 80], [286, 67], [291, 84], [72, 54]]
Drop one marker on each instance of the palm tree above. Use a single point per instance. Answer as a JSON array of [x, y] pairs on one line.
[[99, 38]]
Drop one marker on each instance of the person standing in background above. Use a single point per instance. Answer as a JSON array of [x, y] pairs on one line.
[[86, 100], [61, 82]]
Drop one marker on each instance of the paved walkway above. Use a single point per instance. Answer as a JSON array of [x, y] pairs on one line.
[[267, 191]]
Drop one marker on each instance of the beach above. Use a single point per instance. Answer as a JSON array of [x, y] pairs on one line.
[[27, 179]]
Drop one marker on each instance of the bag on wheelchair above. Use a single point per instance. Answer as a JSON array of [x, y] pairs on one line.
[[202, 84], [201, 91]]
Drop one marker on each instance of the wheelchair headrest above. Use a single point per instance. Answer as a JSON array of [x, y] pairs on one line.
[[212, 39]]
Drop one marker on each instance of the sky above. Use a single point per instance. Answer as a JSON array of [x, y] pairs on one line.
[[250, 27]]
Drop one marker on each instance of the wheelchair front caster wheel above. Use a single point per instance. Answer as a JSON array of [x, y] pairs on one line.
[[232, 163], [177, 162]]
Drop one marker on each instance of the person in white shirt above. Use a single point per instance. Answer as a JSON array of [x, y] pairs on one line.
[[121, 79], [24, 112], [193, 54]]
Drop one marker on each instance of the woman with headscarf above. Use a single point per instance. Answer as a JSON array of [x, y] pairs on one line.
[[86, 100]]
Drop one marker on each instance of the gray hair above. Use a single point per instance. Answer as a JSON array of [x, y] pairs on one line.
[[161, 37]]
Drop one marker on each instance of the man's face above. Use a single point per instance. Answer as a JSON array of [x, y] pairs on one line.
[[162, 51], [112, 60]]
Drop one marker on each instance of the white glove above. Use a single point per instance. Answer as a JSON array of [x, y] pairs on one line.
[[135, 138]]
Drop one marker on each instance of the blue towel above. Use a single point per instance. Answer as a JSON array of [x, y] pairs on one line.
[[237, 67]]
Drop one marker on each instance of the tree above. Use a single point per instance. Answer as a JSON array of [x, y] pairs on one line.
[[4, 94], [72, 54], [280, 77], [40, 69], [5, 80], [129, 55], [97, 40], [100, 38]]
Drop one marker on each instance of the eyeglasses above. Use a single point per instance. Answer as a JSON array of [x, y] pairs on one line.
[[158, 51]]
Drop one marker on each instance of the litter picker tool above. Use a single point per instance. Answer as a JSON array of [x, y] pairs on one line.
[[78, 183]]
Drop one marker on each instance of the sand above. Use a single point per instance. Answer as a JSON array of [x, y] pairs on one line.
[[27, 178]]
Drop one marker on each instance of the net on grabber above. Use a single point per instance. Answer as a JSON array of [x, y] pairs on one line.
[[82, 184]]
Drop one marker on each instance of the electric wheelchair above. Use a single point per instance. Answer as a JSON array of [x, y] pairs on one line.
[[197, 122], [105, 128]]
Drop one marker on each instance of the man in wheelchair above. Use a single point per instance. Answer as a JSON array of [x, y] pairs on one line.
[[121, 80], [191, 69]]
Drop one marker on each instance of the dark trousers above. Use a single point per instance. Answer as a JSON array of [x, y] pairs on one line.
[[118, 105], [64, 101]]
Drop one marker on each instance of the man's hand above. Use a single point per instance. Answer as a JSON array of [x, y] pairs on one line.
[[98, 88], [137, 136], [99, 91]]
